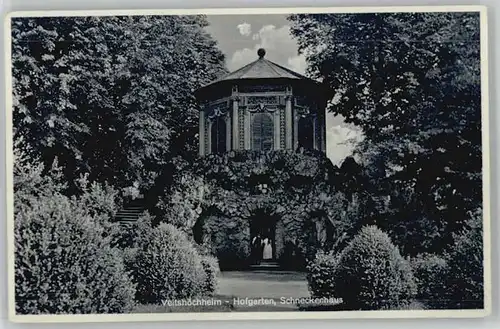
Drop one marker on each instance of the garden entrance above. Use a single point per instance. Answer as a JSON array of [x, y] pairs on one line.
[[263, 235]]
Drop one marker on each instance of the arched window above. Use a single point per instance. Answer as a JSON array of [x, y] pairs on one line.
[[218, 135], [306, 133], [262, 132]]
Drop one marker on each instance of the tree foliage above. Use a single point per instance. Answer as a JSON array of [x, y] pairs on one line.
[[411, 82], [112, 96]]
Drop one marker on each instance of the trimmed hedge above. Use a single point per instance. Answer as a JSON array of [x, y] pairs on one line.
[[321, 274], [167, 266], [63, 262], [211, 268], [430, 273], [371, 274]]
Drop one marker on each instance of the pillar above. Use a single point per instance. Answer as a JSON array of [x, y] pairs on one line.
[[235, 123], [289, 122], [276, 122], [296, 118], [202, 133], [235, 118], [209, 149], [228, 131], [248, 142]]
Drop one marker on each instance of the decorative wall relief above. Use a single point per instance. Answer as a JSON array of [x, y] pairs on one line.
[[282, 128], [217, 110], [241, 128], [256, 100], [261, 88]]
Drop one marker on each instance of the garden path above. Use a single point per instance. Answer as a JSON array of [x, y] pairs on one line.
[[268, 285]]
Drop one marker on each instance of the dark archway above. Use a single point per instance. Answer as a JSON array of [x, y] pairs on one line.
[[263, 225]]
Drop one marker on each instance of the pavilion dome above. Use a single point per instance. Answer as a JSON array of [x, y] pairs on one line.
[[261, 69], [261, 107]]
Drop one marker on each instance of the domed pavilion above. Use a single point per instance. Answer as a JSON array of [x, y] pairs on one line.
[[262, 107]]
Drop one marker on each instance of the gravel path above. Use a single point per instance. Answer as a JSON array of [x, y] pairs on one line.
[[261, 288]]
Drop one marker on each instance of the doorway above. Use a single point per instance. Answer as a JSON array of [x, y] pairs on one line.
[[263, 225]]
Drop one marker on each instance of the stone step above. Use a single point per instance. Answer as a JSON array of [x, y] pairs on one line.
[[266, 266], [131, 212]]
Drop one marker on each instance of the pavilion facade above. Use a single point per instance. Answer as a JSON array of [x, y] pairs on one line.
[[261, 107]]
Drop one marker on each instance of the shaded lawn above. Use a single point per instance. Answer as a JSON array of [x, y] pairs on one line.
[[266, 284], [237, 284]]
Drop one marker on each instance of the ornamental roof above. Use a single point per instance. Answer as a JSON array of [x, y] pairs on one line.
[[261, 69]]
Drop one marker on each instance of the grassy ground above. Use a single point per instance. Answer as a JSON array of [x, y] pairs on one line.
[[260, 287], [264, 291]]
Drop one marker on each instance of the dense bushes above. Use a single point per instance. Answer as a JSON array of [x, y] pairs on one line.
[[454, 280], [465, 260], [228, 240], [167, 266], [371, 274], [63, 264], [430, 273], [211, 267], [64, 261], [321, 275]]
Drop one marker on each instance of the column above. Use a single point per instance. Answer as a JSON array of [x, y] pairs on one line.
[[209, 150], [235, 124], [276, 121], [289, 123], [228, 131], [248, 144], [202, 133], [296, 118]]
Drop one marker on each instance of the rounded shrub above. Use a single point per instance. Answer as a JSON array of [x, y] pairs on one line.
[[465, 260], [64, 263], [167, 266], [371, 274], [211, 268], [321, 274], [430, 277]]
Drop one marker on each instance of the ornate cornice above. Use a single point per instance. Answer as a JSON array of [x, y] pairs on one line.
[[262, 108]]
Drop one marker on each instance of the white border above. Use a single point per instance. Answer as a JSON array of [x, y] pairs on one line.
[[255, 315]]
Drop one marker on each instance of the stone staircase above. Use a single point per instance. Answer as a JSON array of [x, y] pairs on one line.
[[130, 212], [266, 265]]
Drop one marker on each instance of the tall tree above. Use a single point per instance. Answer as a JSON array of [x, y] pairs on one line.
[[411, 82], [111, 96]]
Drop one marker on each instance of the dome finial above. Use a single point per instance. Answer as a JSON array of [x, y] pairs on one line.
[[261, 52]]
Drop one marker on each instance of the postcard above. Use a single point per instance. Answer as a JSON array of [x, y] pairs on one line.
[[211, 164]]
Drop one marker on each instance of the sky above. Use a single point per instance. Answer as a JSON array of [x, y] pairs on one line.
[[239, 38]]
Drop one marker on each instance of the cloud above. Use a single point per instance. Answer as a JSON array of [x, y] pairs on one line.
[[245, 29], [279, 45], [298, 64], [341, 139]]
